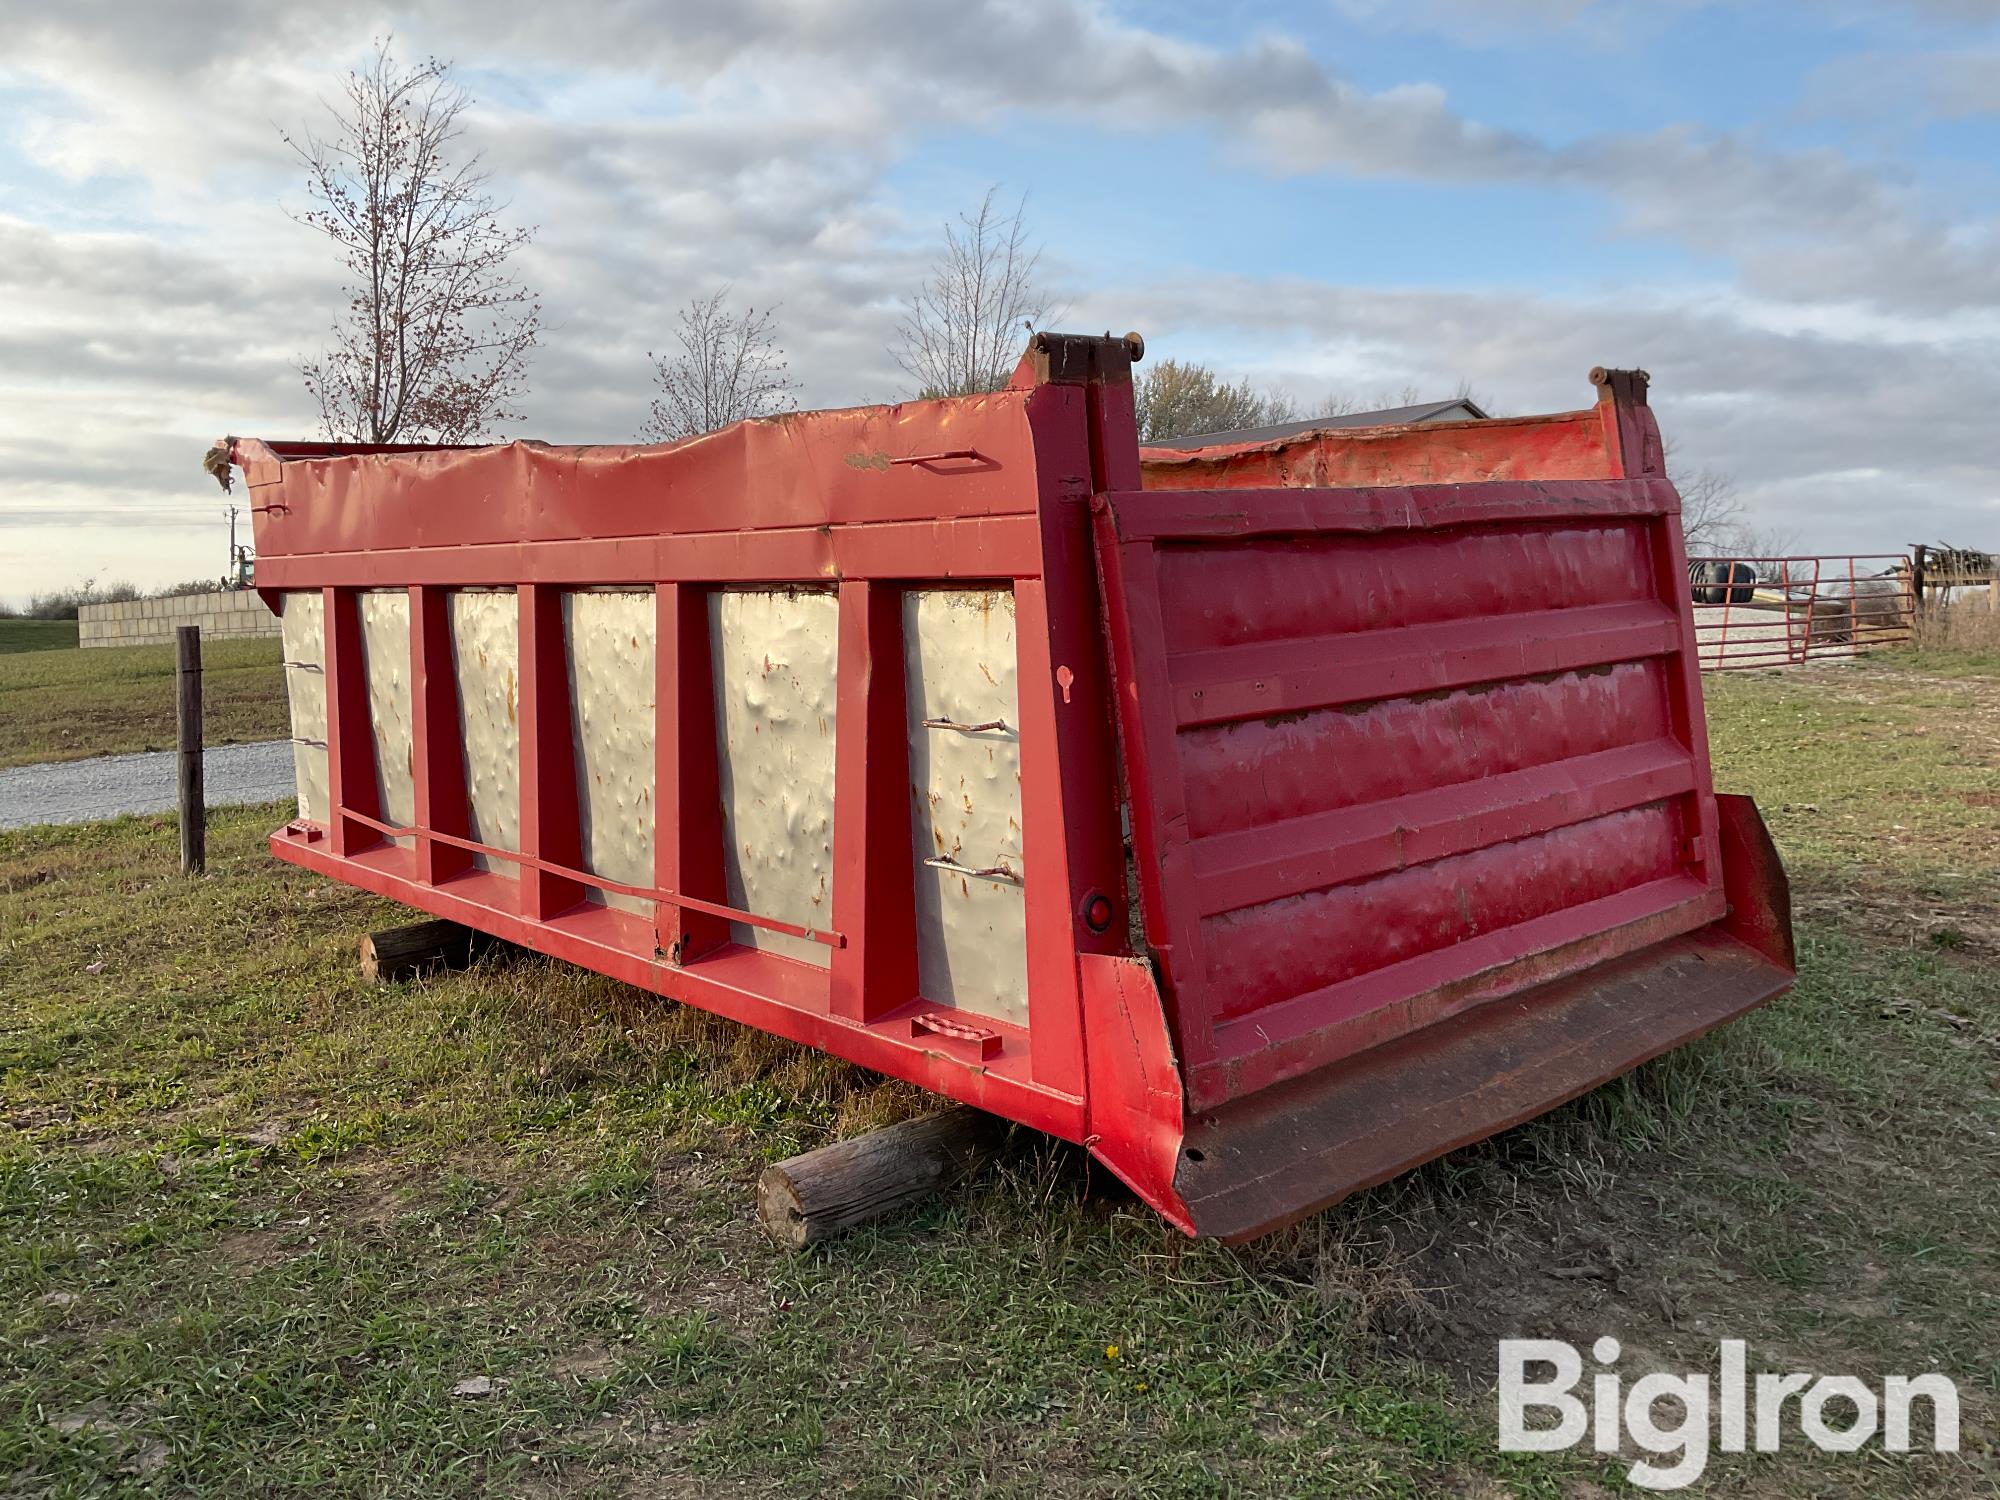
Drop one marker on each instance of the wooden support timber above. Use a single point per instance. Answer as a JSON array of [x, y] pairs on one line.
[[420, 948], [853, 1182]]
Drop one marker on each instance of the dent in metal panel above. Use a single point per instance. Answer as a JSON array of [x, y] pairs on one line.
[[775, 672], [610, 638], [486, 659], [965, 784], [303, 625], [385, 650]]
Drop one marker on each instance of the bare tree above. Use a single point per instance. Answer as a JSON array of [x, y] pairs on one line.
[[1712, 514], [1711, 511], [963, 330], [1464, 391], [1716, 523], [433, 343], [1176, 399], [730, 367]]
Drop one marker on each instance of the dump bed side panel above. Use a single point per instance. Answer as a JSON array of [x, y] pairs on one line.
[[805, 721], [1395, 752]]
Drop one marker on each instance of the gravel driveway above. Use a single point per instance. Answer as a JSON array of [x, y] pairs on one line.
[[79, 791]]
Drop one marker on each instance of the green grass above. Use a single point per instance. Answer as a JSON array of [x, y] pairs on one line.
[[112, 700], [36, 635], [257, 1220]]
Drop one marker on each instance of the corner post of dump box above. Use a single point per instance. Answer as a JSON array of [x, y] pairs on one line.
[[351, 784], [1637, 453], [551, 830], [687, 796], [437, 758], [874, 886], [1086, 442]]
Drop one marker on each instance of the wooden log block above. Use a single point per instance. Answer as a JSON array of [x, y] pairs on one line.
[[820, 1194], [420, 948]]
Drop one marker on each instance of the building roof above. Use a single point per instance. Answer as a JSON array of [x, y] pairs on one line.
[[1457, 409]]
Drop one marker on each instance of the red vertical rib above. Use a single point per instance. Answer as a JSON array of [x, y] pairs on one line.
[[1684, 702], [350, 742], [1062, 864], [437, 758], [549, 824], [687, 798], [874, 900]]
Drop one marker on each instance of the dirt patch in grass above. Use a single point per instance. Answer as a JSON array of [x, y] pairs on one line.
[[252, 1250]]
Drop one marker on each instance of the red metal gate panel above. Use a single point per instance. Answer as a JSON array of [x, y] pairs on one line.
[[1396, 751]]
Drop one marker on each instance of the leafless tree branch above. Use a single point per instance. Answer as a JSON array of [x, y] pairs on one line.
[[1711, 510], [434, 341], [730, 367], [1715, 521], [963, 330]]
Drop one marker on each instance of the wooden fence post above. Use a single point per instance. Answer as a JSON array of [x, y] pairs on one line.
[[187, 722]]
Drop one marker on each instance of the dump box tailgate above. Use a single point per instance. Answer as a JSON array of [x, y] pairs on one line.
[[1397, 751]]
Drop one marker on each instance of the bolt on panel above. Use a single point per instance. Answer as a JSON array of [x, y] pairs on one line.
[[610, 636], [304, 627], [486, 660], [774, 662], [965, 786], [385, 650]]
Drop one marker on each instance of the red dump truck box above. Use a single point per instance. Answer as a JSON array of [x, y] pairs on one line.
[[1268, 818]]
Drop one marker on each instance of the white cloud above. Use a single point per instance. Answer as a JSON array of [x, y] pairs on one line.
[[662, 148]]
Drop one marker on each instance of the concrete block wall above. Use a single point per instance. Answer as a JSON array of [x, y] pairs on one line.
[[224, 616]]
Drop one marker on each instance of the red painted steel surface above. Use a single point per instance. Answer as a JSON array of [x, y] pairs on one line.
[[1462, 713], [1570, 445], [1412, 753]]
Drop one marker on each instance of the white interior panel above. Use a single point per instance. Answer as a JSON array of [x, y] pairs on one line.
[[611, 639], [385, 651], [486, 660], [965, 784], [774, 654], [303, 624]]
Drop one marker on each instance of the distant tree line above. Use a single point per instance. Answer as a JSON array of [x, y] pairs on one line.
[[62, 604]]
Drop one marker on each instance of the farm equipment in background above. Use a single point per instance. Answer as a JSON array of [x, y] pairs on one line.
[[1766, 612], [1267, 817], [1943, 574]]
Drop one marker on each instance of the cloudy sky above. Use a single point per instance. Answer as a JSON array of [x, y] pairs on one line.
[[1786, 211]]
